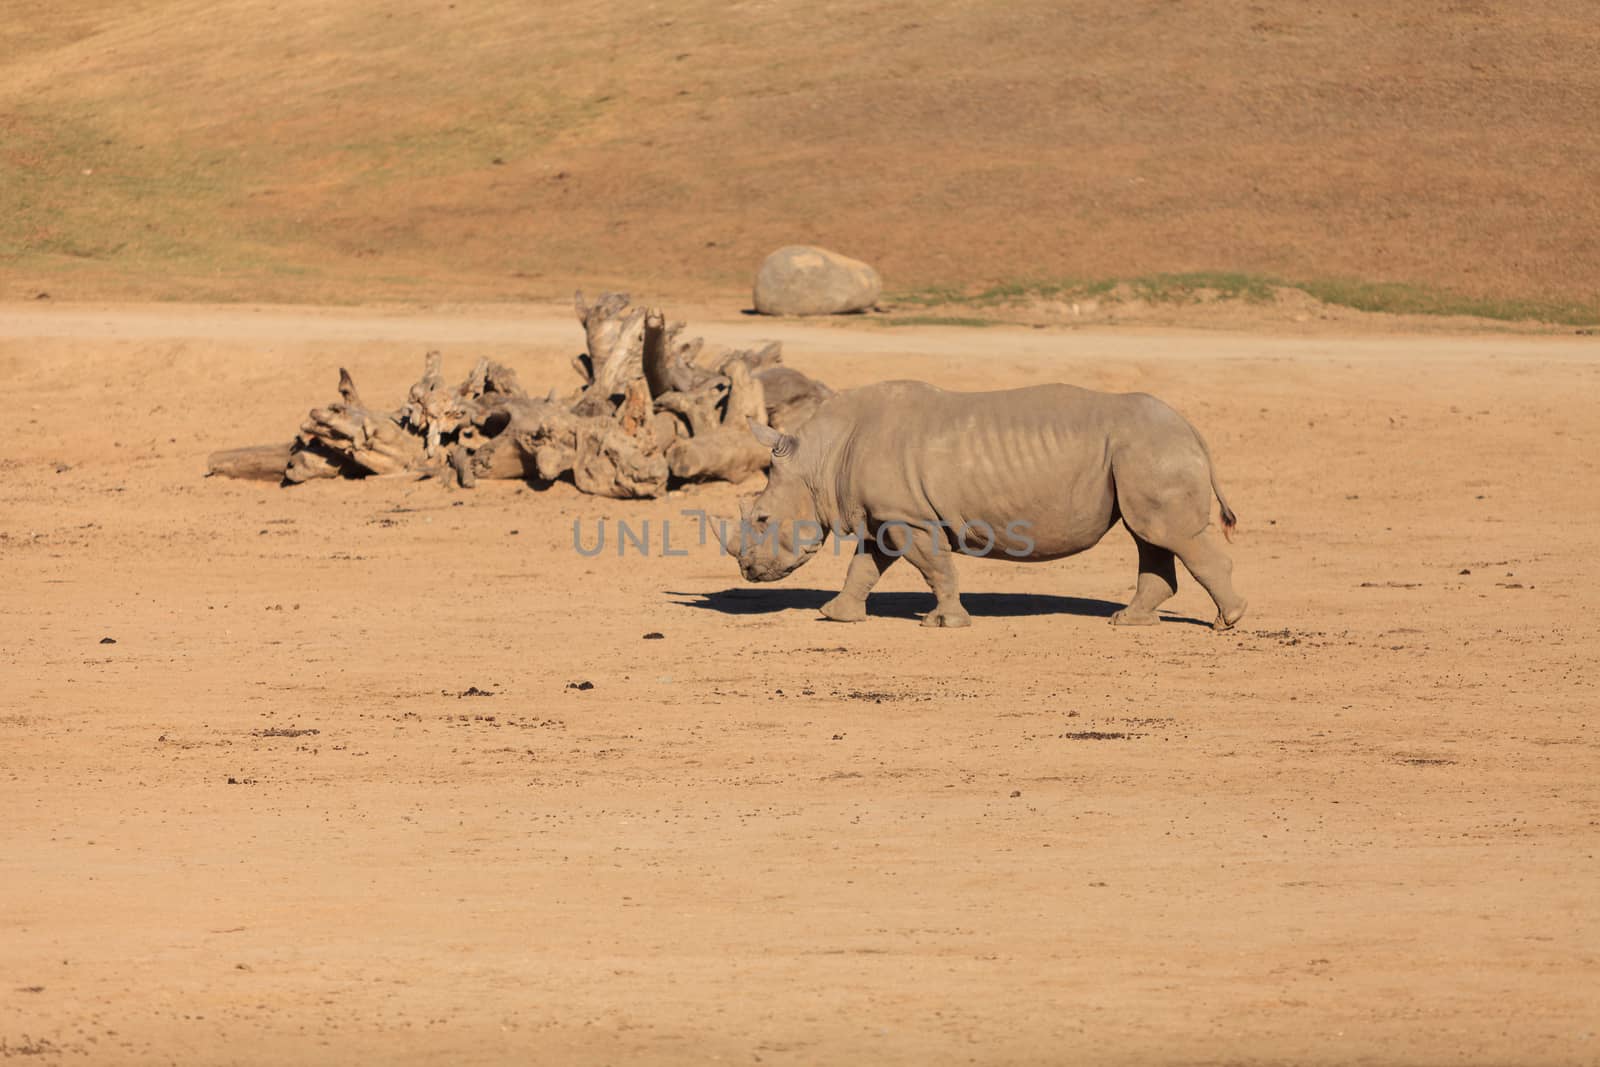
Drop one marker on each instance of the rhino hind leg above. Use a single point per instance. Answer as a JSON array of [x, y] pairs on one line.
[[1158, 581], [866, 567], [1205, 558], [1170, 508]]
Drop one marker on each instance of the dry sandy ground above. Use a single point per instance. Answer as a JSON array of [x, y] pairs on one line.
[[1361, 828]]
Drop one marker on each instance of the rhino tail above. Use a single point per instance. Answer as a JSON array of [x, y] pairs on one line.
[[1229, 520]]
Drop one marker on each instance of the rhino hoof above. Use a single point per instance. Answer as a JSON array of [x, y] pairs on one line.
[[1126, 617], [948, 619], [1226, 619], [839, 610]]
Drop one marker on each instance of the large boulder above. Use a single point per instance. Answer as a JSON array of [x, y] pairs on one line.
[[802, 280]]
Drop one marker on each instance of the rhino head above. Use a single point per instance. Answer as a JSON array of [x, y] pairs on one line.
[[779, 528]]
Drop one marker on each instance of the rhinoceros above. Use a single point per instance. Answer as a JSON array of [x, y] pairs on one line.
[[1029, 474]]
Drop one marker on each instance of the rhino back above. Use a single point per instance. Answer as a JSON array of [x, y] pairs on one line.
[[1040, 457]]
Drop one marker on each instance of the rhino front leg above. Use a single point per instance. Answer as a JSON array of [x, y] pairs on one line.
[[938, 565], [866, 567]]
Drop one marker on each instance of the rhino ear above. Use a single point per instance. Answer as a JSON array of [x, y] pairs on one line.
[[781, 444]]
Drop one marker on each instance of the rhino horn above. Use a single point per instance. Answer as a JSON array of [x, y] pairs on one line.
[[782, 444]]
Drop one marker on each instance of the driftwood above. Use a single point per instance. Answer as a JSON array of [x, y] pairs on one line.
[[647, 414], [260, 463]]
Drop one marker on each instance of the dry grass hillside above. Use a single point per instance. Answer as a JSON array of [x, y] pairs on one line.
[[1438, 153]]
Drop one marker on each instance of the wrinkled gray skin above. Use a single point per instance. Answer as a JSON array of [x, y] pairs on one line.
[[1066, 462]]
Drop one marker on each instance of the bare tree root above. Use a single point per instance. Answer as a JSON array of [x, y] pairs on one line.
[[647, 414]]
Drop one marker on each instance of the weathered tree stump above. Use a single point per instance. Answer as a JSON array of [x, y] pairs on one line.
[[646, 414]]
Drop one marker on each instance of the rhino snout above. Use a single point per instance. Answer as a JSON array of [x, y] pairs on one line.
[[769, 570]]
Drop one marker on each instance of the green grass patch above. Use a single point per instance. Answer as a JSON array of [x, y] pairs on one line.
[[938, 320], [1399, 299], [1189, 287], [75, 190], [1197, 286], [427, 147], [1003, 293], [1154, 288]]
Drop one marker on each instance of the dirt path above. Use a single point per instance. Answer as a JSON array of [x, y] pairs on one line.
[[265, 825], [544, 325]]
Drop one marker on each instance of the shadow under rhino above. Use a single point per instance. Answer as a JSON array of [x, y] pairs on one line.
[[744, 601]]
